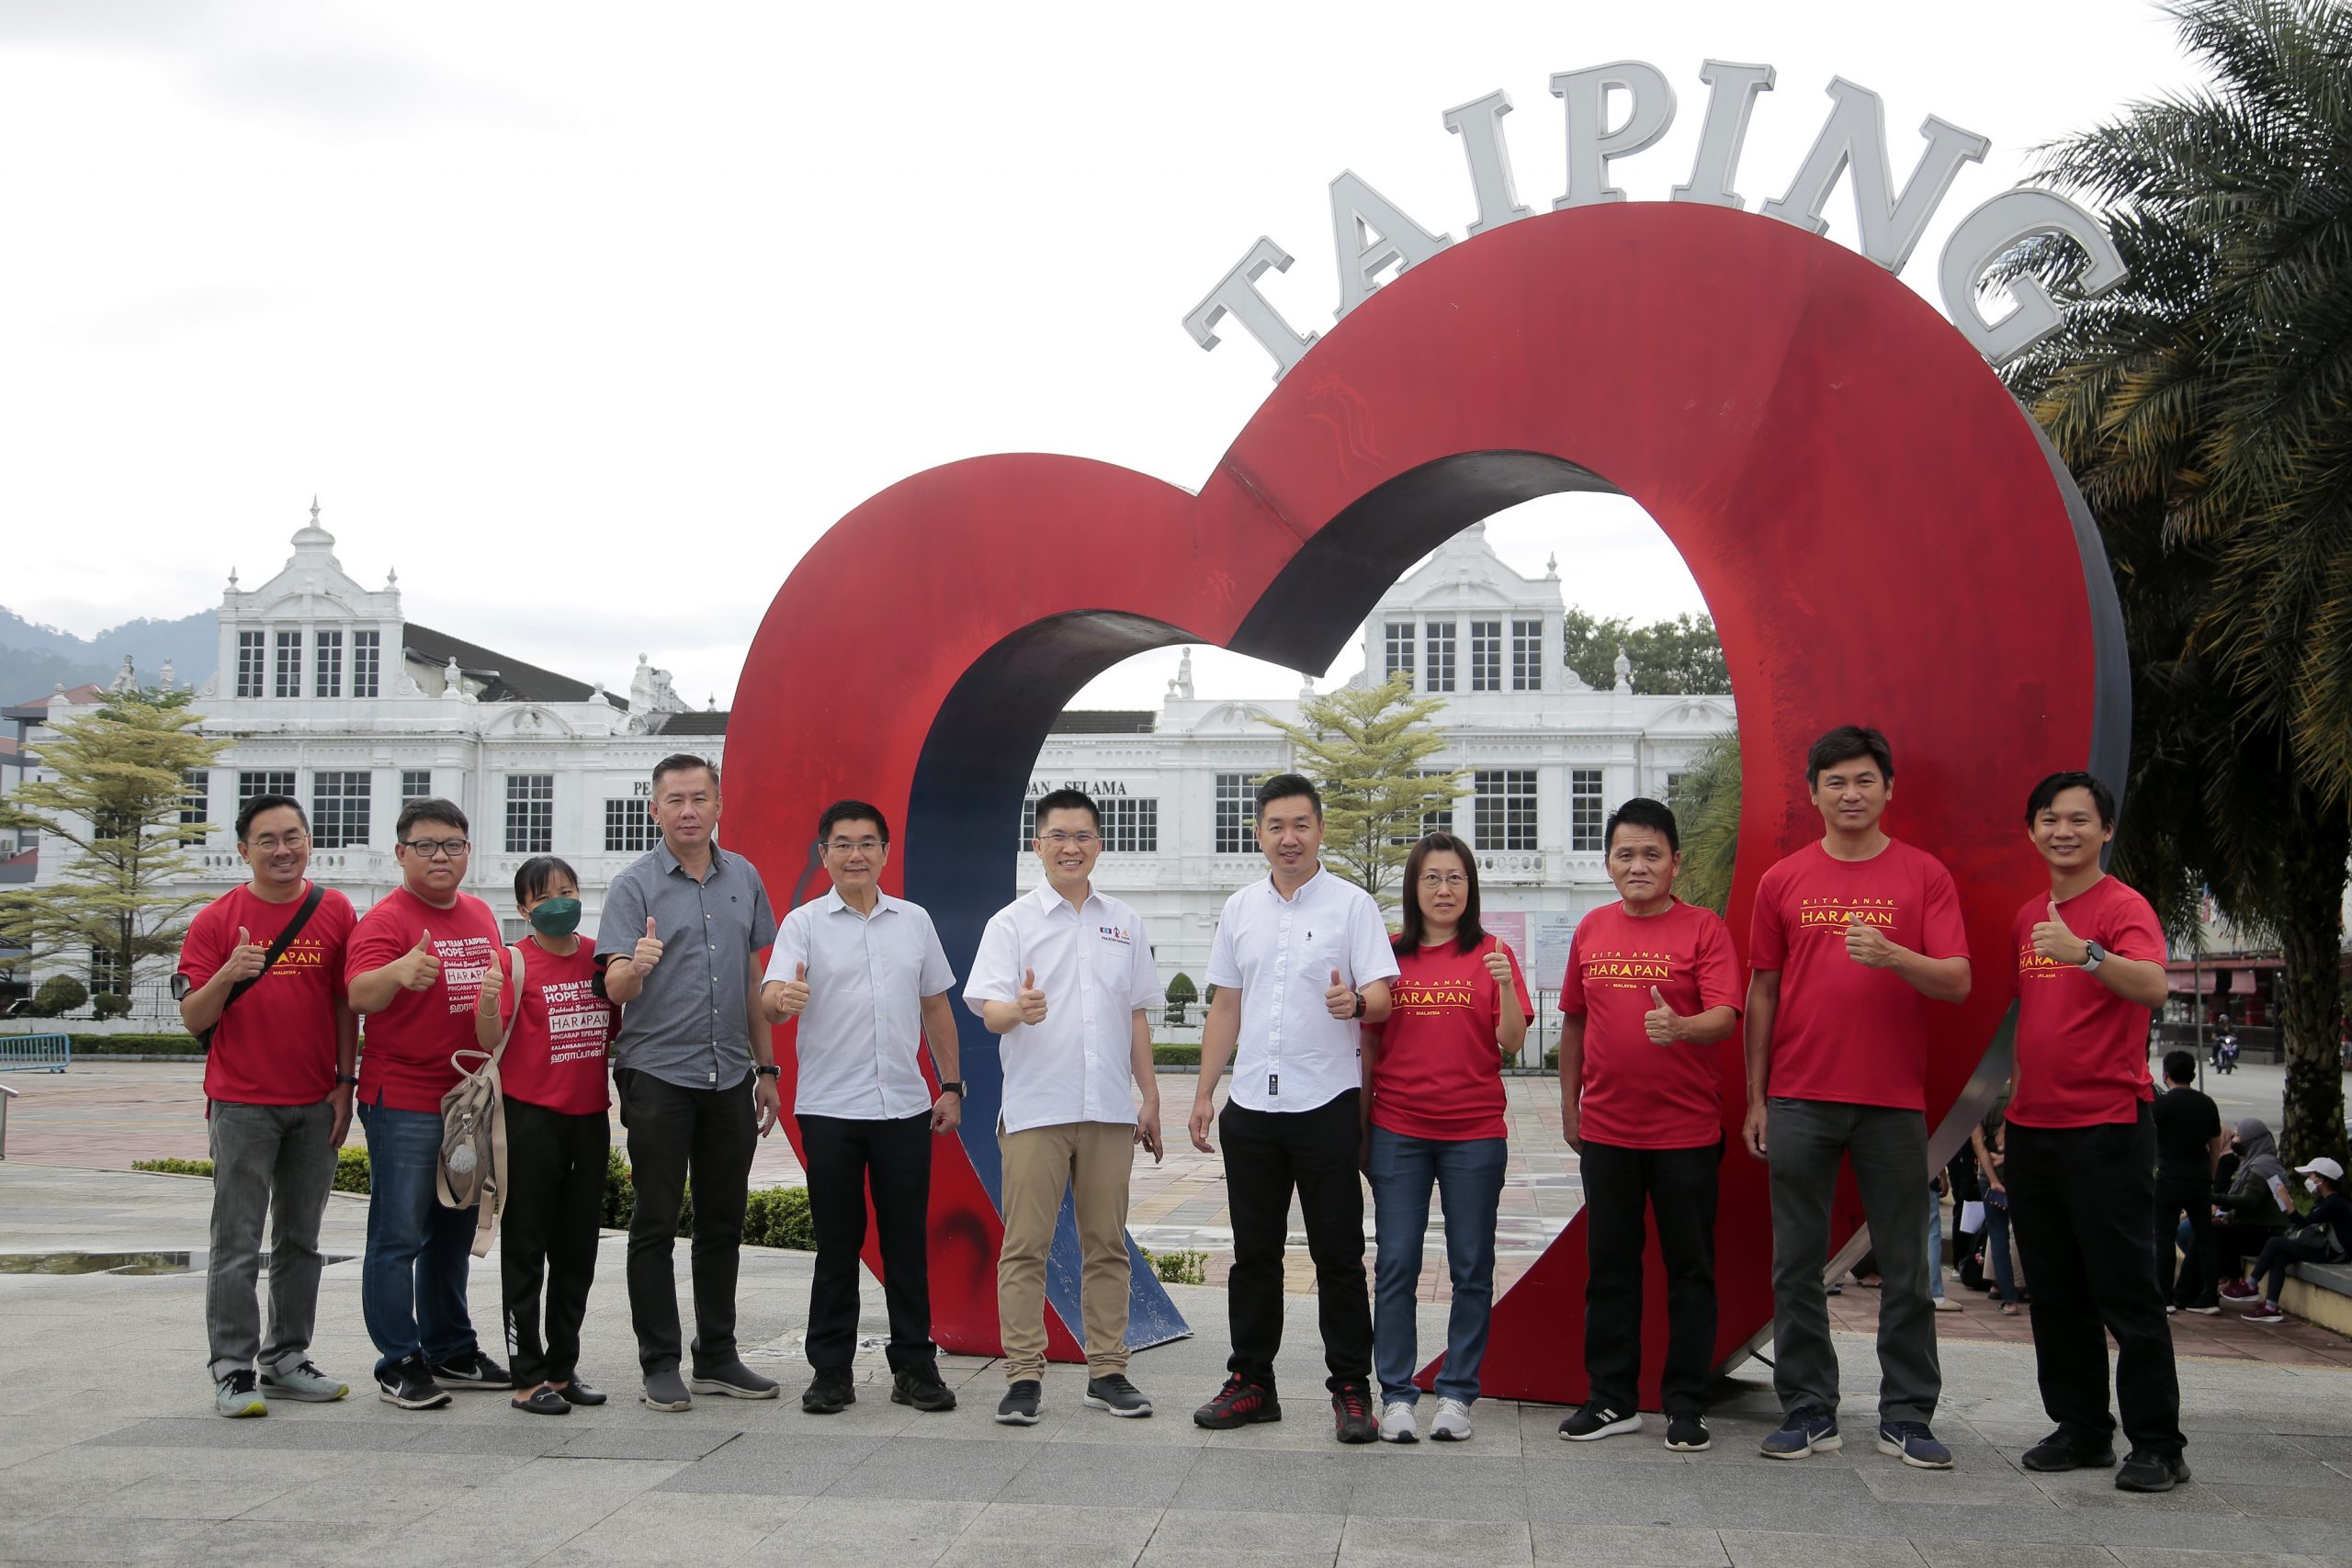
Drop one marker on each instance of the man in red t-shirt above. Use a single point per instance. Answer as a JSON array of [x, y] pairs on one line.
[[414, 972], [1853, 936], [277, 1091], [2081, 1144], [1652, 990]]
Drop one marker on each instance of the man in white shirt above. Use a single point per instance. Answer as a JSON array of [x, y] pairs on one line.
[[1064, 976], [866, 976], [1300, 963]]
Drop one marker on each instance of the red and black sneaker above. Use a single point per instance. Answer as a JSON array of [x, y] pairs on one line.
[[1239, 1403], [1351, 1414]]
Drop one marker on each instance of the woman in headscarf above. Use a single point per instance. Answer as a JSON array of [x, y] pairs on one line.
[[2255, 1208]]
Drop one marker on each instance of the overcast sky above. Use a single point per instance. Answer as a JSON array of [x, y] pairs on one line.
[[558, 307]]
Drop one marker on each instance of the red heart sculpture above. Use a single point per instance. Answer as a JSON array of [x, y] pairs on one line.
[[1876, 525]]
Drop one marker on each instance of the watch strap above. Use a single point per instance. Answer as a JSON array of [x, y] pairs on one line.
[[952, 1085]]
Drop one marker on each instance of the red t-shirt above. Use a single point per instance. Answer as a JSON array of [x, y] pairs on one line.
[[1439, 1072], [1846, 1031], [1636, 1095], [404, 1052], [555, 1057], [2082, 1050], [275, 1046]]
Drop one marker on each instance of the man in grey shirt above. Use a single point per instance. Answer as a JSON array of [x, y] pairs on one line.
[[696, 1074]]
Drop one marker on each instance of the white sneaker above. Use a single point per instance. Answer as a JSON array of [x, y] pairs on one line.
[[1396, 1422], [1452, 1422]]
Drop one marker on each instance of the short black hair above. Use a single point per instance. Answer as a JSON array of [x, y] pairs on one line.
[[433, 809], [1069, 800], [535, 876], [1642, 812], [851, 811], [2179, 1067], [1844, 743], [683, 762], [1283, 786], [2047, 792], [261, 803]]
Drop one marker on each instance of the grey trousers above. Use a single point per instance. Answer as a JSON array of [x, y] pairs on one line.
[[1806, 1139], [273, 1162]]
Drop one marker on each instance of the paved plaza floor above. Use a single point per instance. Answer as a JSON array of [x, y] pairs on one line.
[[109, 1452]]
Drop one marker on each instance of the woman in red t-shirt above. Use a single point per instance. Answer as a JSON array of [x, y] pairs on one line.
[[1434, 1068], [554, 1077]]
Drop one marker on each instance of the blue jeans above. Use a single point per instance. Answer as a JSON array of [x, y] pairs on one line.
[[412, 1282], [1468, 1176]]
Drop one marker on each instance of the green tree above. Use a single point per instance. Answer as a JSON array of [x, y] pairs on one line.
[[1706, 818], [2205, 406], [114, 779], [1368, 747], [1671, 658]]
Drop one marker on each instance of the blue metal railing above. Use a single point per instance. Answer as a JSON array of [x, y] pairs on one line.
[[36, 1053]]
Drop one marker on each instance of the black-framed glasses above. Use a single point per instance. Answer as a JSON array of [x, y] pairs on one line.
[[270, 843], [436, 849]]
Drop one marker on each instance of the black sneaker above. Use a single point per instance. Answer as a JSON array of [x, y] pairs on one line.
[[923, 1390], [1351, 1418], [1686, 1432], [2146, 1471], [1239, 1403], [1022, 1405], [2062, 1451], [829, 1394], [1593, 1421], [407, 1383], [472, 1370], [1117, 1396]]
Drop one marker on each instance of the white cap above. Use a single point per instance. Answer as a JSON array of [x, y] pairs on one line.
[[2323, 1166]]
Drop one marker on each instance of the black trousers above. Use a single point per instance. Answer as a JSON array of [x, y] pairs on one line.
[[1678, 1185], [675, 1135], [1268, 1156], [2082, 1201], [848, 1157], [555, 1205], [2192, 1283], [2270, 1267]]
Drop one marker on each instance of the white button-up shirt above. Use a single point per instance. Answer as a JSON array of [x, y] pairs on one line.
[[1095, 967], [862, 1032], [1294, 1055]]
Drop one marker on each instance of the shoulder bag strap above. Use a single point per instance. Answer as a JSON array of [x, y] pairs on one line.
[[276, 951]]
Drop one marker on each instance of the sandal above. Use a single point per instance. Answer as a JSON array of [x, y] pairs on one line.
[[542, 1401]]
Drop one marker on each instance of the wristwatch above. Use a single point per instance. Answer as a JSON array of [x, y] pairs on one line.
[[347, 1077], [952, 1085], [1359, 1004], [2092, 956], [770, 1071]]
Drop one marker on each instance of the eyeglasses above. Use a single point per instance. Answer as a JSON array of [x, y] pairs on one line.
[[1435, 880], [270, 843], [852, 846], [1057, 838], [436, 849]]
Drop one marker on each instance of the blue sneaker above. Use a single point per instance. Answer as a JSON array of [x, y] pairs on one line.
[[1914, 1443], [1808, 1429]]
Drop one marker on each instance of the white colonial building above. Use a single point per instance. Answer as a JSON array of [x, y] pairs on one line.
[[327, 692]]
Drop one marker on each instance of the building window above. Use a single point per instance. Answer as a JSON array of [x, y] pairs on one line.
[[1585, 816], [196, 797], [326, 665], [1485, 656], [249, 664], [1237, 812], [1438, 821], [367, 662], [1527, 656], [416, 784], [1130, 826], [1028, 826], [1440, 664], [629, 827], [338, 810], [288, 679], [530, 813], [268, 782], [1506, 808], [1398, 638]]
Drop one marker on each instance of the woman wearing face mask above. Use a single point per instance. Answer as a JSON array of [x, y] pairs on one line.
[[2323, 1236], [554, 1077], [2254, 1208]]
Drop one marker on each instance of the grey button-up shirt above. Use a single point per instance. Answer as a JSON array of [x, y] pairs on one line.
[[690, 1024]]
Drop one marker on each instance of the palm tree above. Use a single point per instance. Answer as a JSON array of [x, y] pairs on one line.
[[1706, 815], [2205, 406]]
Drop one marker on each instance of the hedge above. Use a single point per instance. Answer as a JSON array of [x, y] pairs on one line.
[[174, 1044]]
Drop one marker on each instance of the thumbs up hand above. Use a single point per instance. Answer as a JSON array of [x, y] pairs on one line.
[[786, 998], [2052, 940], [1340, 998], [418, 969], [1498, 966], [1868, 945], [648, 951], [493, 981], [245, 958], [1661, 1023], [1031, 1000]]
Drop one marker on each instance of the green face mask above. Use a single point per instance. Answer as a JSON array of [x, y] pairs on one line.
[[556, 917]]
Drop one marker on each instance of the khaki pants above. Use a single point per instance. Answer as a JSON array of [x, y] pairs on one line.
[[1092, 1160]]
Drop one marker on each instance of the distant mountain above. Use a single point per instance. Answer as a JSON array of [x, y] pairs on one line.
[[35, 660]]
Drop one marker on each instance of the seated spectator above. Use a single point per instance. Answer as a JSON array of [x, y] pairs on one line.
[[2255, 1207], [2325, 1236]]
